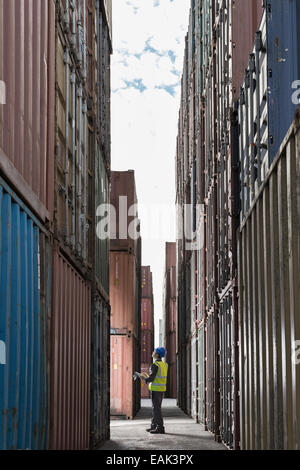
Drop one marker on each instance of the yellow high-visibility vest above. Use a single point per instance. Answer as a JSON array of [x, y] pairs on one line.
[[159, 384]]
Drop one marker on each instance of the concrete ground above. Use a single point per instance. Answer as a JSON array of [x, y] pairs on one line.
[[182, 433]]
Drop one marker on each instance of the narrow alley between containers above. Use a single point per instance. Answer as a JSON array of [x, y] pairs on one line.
[[119, 120], [182, 432]]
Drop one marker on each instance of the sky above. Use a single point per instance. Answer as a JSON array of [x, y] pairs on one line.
[[148, 48]]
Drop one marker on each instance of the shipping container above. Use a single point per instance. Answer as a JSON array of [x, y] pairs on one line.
[[74, 135], [194, 383], [170, 255], [201, 376], [102, 236], [283, 39], [125, 392], [253, 120], [147, 286], [27, 118], [147, 346], [25, 309], [269, 326], [246, 17], [147, 317], [100, 372], [172, 369], [145, 392], [123, 200], [70, 357], [123, 292]]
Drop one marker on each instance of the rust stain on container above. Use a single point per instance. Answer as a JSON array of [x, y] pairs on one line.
[[27, 119], [70, 358]]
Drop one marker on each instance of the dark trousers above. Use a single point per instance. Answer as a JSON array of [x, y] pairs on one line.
[[157, 419]]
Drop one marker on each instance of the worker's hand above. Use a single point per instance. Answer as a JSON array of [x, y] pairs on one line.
[[143, 379]]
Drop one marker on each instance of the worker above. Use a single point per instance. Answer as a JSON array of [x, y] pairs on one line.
[[157, 381]]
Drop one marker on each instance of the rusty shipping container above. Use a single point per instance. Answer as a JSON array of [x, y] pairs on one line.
[[246, 18], [70, 357], [77, 69], [147, 346], [145, 392], [147, 286], [27, 65], [170, 255], [125, 392], [124, 219], [269, 306], [25, 309], [123, 292], [147, 319]]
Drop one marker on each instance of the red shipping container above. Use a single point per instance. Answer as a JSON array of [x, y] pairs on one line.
[[147, 287], [172, 291], [147, 346], [123, 291], [123, 389], [145, 392], [122, 186], [70, 358], [147, 320], [27, 30], [170, 255], [246, 16]]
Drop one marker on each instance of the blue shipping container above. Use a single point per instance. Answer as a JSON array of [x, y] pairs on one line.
[[25, 289], [283, 43]]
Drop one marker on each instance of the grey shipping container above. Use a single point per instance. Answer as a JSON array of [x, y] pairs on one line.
[[269, 306]]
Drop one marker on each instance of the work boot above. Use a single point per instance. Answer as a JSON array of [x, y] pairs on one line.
[[158, 431], [150, 429]]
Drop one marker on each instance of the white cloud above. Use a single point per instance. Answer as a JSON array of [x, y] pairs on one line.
[[146, 70]]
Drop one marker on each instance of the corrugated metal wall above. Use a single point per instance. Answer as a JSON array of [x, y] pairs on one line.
[[26, 121], [55, 153], [224, 151], [269, 306], [25, 292], [169, 318], [70, 357], [100, 372], [125, 393]]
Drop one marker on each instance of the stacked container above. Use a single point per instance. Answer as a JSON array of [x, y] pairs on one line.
[[125, 296], [147, 325], [169, 318], [48, 158], [208, 198], [229, 175]]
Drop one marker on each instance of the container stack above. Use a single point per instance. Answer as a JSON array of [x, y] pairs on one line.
[[170, 318], [234, 192], [49, 130], [125, 295], [147, 325]]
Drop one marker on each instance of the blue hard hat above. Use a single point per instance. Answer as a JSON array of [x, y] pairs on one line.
[[161, 351]]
